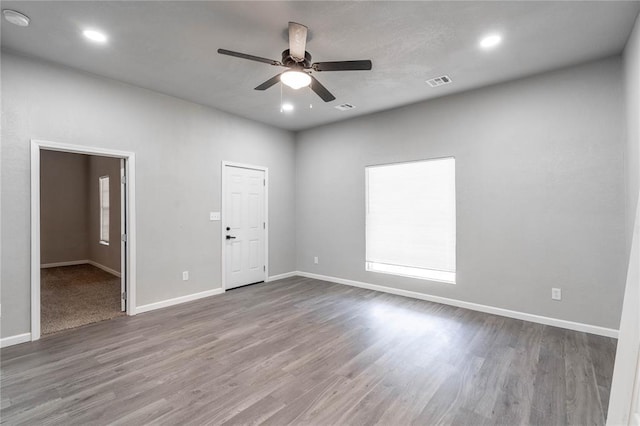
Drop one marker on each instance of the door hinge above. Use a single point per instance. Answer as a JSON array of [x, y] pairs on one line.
[[124, 237], [264, 225], [124, 295], [264, 182], [264, 268], [123, 180]]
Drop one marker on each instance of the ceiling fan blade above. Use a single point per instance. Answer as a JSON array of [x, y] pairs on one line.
[[268, 83], [249, 57], [297, 41], [321, 90], [364, 65]]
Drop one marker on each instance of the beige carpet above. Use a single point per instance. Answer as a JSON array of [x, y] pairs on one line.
[[72, 296]]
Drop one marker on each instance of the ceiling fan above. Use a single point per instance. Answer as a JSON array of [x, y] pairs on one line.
[[298, 62]]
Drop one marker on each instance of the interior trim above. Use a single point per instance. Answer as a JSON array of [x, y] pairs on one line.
[[67, 263], [178, 300], [104, 268], [282, 276], [569, 325], [15, 340], [81, 262]]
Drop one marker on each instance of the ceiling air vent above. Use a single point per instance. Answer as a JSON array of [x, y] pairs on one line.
[[439, 81], [345, 107]]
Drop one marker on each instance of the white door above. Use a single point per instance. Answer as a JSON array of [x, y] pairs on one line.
[[244, 227]]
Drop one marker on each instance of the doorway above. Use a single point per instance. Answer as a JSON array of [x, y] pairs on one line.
[[83, 236], [245, 230]]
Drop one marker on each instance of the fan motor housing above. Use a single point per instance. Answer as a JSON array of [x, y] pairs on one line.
[[288, 61]]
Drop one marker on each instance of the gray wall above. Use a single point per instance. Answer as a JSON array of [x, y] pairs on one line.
[[631, 59], [540, 191], [179, 148], [63, 207], [106, 255], [624, 372]]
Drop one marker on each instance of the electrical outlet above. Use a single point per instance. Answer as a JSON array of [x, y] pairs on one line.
[[556, 294], [315, 260], [185, 276]]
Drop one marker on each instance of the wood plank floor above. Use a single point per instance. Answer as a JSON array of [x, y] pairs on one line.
[[302, 351]]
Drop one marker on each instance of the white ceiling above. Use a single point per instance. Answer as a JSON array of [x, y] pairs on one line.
[[171, 47]]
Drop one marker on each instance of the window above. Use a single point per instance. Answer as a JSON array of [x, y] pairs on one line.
[[411, 219], [104, 209]]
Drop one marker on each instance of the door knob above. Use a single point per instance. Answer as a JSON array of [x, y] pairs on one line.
[[229, 237]]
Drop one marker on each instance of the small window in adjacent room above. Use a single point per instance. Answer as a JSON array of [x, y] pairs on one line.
[[104, 209], [411, 219]]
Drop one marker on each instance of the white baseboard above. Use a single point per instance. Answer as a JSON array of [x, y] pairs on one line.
[[577, 326], [68, 263], [282, 276], [81, 262], [104, 268], [177, 300], [15, 340]]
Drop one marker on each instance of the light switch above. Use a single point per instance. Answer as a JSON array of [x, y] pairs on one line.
[[214, 216]]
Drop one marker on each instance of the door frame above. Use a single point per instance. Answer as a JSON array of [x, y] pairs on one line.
[[223, 218], [123, 226], [129, 273]]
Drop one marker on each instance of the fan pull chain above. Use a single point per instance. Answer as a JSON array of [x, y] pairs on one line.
[[281, 100]]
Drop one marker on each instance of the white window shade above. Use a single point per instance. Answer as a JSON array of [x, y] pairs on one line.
[[411, 219], [104, 209]]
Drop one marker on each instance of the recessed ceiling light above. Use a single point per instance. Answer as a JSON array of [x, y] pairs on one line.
[[95, 36], [490, 41], [16, 18], [286, 107]]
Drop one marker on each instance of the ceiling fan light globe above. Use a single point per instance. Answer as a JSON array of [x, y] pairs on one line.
[[295, 79]]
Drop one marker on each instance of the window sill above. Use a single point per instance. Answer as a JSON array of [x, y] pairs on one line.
[[409, 272]]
